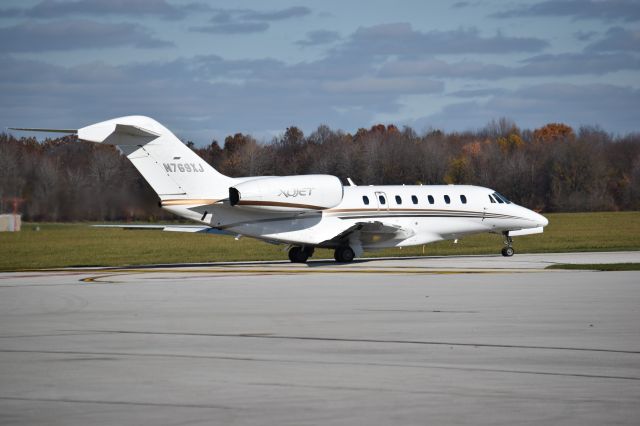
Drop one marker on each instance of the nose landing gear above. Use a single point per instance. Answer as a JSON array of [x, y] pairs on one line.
[[507, 250]]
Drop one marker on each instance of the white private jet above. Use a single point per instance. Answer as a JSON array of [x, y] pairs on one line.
[[306, 211]]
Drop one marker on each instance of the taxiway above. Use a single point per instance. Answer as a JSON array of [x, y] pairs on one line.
[[434, 340]]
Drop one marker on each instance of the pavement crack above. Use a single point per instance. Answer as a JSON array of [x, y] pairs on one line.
[[105, 402], [353, 340], [318, 362]]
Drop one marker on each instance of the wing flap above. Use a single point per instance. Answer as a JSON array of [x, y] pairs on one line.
[[369, 234]]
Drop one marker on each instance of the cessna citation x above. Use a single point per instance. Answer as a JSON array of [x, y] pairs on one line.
[[306, 211]]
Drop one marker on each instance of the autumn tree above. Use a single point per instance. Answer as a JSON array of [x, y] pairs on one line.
[[551, 168], [553, 132]]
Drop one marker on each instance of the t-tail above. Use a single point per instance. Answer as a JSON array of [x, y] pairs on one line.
[[173, 170]]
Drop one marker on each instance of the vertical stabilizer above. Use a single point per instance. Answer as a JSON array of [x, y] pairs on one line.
[[172, 169]]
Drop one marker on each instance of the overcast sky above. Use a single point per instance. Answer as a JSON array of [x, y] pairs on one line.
[[208, 69]]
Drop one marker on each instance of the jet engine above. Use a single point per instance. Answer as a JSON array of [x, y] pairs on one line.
[[288, 193]]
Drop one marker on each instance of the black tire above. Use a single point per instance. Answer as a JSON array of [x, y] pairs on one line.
[[344, 254], [309, 250], [508, 251], [298, 255]]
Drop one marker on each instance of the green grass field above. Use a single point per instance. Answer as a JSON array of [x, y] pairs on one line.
[[598, 266], [58, 245]]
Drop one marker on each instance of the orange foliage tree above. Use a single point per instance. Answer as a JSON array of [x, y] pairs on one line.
[[553, 132]]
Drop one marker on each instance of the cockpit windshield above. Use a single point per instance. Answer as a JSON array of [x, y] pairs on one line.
[[501, 198]]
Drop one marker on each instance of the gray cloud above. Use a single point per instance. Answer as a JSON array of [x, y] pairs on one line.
[[208, 68], [584, 35], [74, 34], [532, 106], [478, 93], [536, 66], [246, 21], [433, 67], [626, 10], [382, 85], [216, 94], [365, 74], [402, 39], [276, 15], [617, 39], [11, 13], [63, 9], [319, 37], [233, 28], [578, 64]]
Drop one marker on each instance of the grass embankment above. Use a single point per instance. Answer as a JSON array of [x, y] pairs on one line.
[[597, 266], [58, 245]]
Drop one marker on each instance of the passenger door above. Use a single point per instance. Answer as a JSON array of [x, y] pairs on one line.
[[383, 202]]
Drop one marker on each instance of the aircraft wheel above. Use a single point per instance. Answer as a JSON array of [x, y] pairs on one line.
[[344, 254], [309, 250], [508, 251], [298, 255]]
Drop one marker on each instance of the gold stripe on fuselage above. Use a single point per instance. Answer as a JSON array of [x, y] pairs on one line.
[[188, 202], [278, 204]]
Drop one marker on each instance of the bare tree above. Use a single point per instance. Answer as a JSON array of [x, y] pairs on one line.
[[551, 168]]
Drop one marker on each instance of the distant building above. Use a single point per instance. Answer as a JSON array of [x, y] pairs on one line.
[[10, 222]]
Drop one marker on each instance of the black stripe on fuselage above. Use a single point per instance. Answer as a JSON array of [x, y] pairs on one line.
[[365, 213], [381, 214]]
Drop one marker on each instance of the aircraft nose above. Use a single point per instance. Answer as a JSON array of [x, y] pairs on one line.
[[541, 220], [536, 218]]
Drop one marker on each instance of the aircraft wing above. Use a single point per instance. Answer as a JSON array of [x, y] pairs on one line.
[[170, 228], [369, 233]]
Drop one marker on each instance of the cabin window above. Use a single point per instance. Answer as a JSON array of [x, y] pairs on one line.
[[491, 198], [463, 198], [398, 199], [382, 200], [414, 199], [365, 200], [430, 198], [447, 199]]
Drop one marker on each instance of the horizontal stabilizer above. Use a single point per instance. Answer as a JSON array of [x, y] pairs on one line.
[[109, 132], [28, 129]]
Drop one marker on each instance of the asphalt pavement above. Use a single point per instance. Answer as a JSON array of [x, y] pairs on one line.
[[436, 340]]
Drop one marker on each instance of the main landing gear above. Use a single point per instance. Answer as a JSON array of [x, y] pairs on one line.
[[507, 250], [300, 254], [344, 254]]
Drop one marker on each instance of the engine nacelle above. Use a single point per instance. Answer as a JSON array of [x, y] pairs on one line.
[[288, 193]]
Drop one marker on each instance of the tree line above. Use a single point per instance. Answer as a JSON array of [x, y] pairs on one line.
[[551, 169]]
